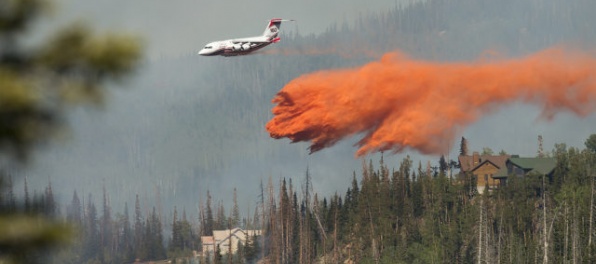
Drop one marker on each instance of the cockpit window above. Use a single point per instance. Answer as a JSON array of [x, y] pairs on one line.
[[208, 47]]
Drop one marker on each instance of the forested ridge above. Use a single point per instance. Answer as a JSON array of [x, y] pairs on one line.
[[414, 213]]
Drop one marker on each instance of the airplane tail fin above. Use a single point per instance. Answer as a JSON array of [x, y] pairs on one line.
[[272, 29]]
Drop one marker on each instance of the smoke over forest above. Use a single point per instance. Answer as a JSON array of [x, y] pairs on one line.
[[186, 124], [399, 103]]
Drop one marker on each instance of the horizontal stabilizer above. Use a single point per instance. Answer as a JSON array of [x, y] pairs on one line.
[[273, 27]]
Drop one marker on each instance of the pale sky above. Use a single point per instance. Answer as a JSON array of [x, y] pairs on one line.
[[173, 28]]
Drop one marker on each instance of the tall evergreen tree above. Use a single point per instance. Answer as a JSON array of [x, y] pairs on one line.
[[105, 228], [74, 210], [463, 147], [154, 237], [235, 217], [139, 235], [591, 143], [209, 222], [92, 239], [443, 166], [126, 246]]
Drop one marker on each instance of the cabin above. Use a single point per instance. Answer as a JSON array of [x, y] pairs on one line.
[[522, 167], [227, 240], [483, 168]]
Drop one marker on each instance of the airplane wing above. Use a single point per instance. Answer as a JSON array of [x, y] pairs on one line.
[[251, 40]]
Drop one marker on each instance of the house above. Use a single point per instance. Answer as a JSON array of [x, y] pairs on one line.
[[516, 166], [483, 168], [226, 240]]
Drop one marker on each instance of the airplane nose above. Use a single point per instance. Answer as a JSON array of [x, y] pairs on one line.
[[202, 52]]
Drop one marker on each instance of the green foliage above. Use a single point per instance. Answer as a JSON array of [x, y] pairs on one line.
[[21, 234], [591, 143], [39, 81], [463, 147], [487, 151], [392, 218], [36, 85]]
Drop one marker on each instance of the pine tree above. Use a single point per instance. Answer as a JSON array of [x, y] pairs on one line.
[[591, 143], [176, 237], [463, 147], [154, 237], [209, 223], [443, 166], [126, 238], [49, 206], [221, 222], [139, 235], [74, 210], [27, 199], [11, 203], [235, 217], [91, 233], [105, 228]]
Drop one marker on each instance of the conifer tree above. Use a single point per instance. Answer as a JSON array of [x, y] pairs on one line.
[[139, 235], [221, 222], [49, 206], [591, 143], [105, 228], [27, 198], [443, 166], [92, 245], [463, 147], [235, 217], [126, 238], [74, 210], [154, 237], [209, 223], [11, 203], [176, 238]]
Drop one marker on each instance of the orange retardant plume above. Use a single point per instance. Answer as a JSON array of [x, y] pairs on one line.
[[398, 103]]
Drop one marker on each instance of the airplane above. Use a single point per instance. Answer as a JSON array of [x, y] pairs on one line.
[[243, 46]]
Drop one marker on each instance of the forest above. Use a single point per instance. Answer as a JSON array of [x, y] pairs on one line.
[[411, 213]]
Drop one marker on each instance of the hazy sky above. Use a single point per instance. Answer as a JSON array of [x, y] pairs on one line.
[[173, 28], [176, 27]]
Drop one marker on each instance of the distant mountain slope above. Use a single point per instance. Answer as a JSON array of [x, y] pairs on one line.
[[190, 123]]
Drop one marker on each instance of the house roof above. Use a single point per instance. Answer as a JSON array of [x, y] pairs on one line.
[[219, 236], [480, 164], [502, 173], [207, 240], [467, 162], [535, 165]]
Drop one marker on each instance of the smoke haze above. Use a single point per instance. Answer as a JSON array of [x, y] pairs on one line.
[[399, 103]]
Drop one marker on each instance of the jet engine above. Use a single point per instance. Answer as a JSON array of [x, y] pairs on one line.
[[246, 46], [237, 47]]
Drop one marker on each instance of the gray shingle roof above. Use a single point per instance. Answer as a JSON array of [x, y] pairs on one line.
[[535, 165]]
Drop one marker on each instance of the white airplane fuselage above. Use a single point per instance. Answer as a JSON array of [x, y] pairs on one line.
[[243, 46]]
